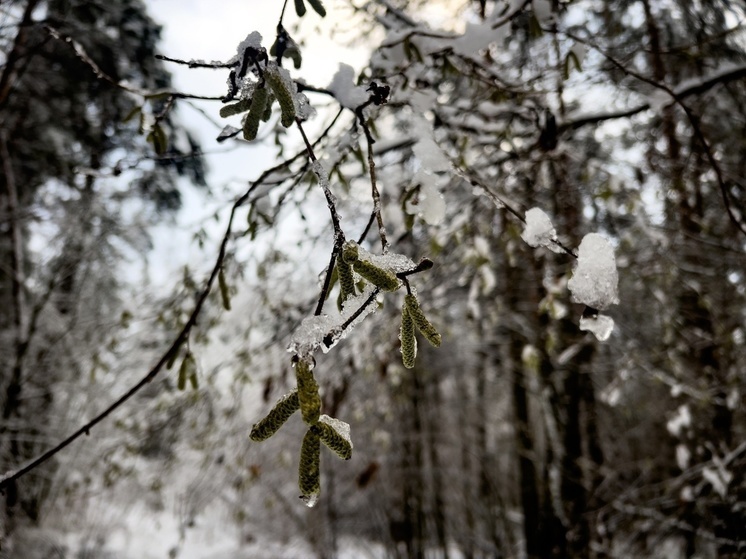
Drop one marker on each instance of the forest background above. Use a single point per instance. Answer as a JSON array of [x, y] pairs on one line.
[[523, 435]]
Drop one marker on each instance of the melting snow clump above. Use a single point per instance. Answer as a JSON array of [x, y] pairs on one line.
[[539, 231], [600, 326], [595, 279], [344, 89]]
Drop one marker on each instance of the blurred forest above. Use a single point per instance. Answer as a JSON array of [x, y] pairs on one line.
[[521, 435]]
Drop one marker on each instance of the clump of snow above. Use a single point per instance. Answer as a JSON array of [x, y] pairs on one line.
[[310, 500], [539, 231], [324, 332], [479, 36], [682, 420], [344, 89], [429, 204], [594, 281], [253, 40], [600, 326], [342, 428]]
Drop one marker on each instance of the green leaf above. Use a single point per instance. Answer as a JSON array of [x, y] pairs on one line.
[[224, 290]]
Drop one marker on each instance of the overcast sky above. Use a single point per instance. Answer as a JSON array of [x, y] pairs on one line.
[[209, 30]]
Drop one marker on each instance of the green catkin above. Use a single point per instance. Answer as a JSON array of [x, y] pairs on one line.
[[224, 291], [408, 340], [284, 408], [346, 281], [350, 252], [379, 277], [268, 107], [282, 93], [187, 371], [256, 111], [235, 108], [333, 440], [422, 323], [318, 7], [308, 392], [300, 8], [308, 466]]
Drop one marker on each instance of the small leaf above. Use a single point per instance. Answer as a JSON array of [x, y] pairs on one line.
[[318, 7], [158, 138], [224, 290], [227, 133], [187, 371]]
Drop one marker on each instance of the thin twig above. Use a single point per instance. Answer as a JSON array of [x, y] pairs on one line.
[[13, 475], [360, 112]]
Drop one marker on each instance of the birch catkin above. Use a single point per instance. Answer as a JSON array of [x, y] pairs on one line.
[[284, 408], [308, 392]]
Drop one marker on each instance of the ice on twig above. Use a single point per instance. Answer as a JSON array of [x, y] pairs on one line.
[[600, 326], [539, 231], [595, 279]]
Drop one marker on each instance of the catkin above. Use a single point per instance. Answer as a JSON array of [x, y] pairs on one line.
[[300, 8], [350, 252], [285, 97], [256, 111], [235, 108], [408, 340], [308, 466], [346, 280], [333, 440], [379, 277], [422, 323], [308, 392], [284, 408]]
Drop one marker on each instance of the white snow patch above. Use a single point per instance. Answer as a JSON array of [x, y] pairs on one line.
[[600, 326], [539, 231], [680, 421], [594, 281], [344, 89]]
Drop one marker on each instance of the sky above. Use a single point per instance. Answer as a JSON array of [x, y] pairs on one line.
[[208, 30]]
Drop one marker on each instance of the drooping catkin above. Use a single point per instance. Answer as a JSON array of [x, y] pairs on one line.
[[235, 108], [308, 392], [281, 89], [284, 408], [346, 280], [422, 323], [350, 252], [385, 279], [407, 338], [308, 466], [333, 440], [256, 111], [300, 8]]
